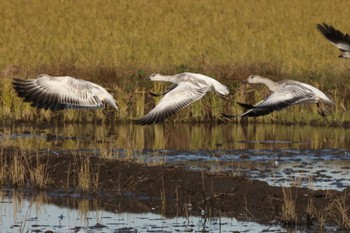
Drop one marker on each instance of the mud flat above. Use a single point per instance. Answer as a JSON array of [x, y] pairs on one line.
[[126, 186]]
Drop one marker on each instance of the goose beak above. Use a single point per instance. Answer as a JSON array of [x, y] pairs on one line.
[[245, 81]]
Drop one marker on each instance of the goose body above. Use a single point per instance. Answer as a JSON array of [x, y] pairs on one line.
[[187, 89], [337, 38], [62, 92], [285, 93]]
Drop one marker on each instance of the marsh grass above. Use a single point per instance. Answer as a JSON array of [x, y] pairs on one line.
[[163, 196], [84, 175], [88, 176], [83, 208], [338, 210], [24, 170], [17, 171], [38, 173], [314, 214], [116, 45], [289, 216]]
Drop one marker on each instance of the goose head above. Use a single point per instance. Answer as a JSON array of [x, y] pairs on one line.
[[252, 79], [345, 55], [43, 76], [154, 77]]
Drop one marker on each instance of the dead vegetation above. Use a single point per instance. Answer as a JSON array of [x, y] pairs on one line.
[[289, 216]]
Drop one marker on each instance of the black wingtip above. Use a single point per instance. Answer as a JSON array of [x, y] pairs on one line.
[[155, 94], [245, 105], [332, 34], [322, 25], [139, 121], [20, 86], [145, 120]]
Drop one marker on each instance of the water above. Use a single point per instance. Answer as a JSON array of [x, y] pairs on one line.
[[36, 214], [314, 157], [305, 156], [173, 137]]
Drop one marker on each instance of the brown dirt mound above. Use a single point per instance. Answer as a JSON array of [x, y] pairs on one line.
[[129, 186]]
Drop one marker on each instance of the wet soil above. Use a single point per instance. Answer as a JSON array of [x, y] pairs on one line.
[[170, 190]]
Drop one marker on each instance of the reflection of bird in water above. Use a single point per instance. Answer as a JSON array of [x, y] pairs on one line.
[[57, 93], [285, 93], [337, 38], [186, 89], [80, 230], [61, 217], [218, 145]]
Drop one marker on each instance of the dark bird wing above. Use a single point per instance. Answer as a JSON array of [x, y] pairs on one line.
[[336, 37], [290, 95]]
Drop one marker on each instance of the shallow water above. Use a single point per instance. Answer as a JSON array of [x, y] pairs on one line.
[[173, 137], [34, 214], [314, 157]]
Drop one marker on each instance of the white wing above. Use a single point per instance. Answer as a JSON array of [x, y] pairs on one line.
[[218, 87], [180, 97], [290, 95], [57, 93]]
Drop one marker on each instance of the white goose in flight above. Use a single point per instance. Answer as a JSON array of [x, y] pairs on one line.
[[337, 38], [285, 93], [187, 89], [57, 93]]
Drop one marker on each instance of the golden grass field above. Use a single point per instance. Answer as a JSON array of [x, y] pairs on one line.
[[118, 43]]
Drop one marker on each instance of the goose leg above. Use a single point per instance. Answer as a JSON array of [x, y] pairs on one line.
[[321, 110], [108, 111]]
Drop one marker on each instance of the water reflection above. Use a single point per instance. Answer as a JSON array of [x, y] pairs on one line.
[[278, 154], [36, 214], [173, 137], [266, 152]]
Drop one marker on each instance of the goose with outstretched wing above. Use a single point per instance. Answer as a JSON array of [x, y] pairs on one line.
[[187, 88], [285, 93], [337, 38], [62, 92]]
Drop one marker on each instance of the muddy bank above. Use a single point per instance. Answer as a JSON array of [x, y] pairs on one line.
[[169, 190]]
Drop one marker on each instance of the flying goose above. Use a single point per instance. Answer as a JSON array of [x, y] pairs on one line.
[[285, 93], [186, 89], [337, 38], [62, 92]]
